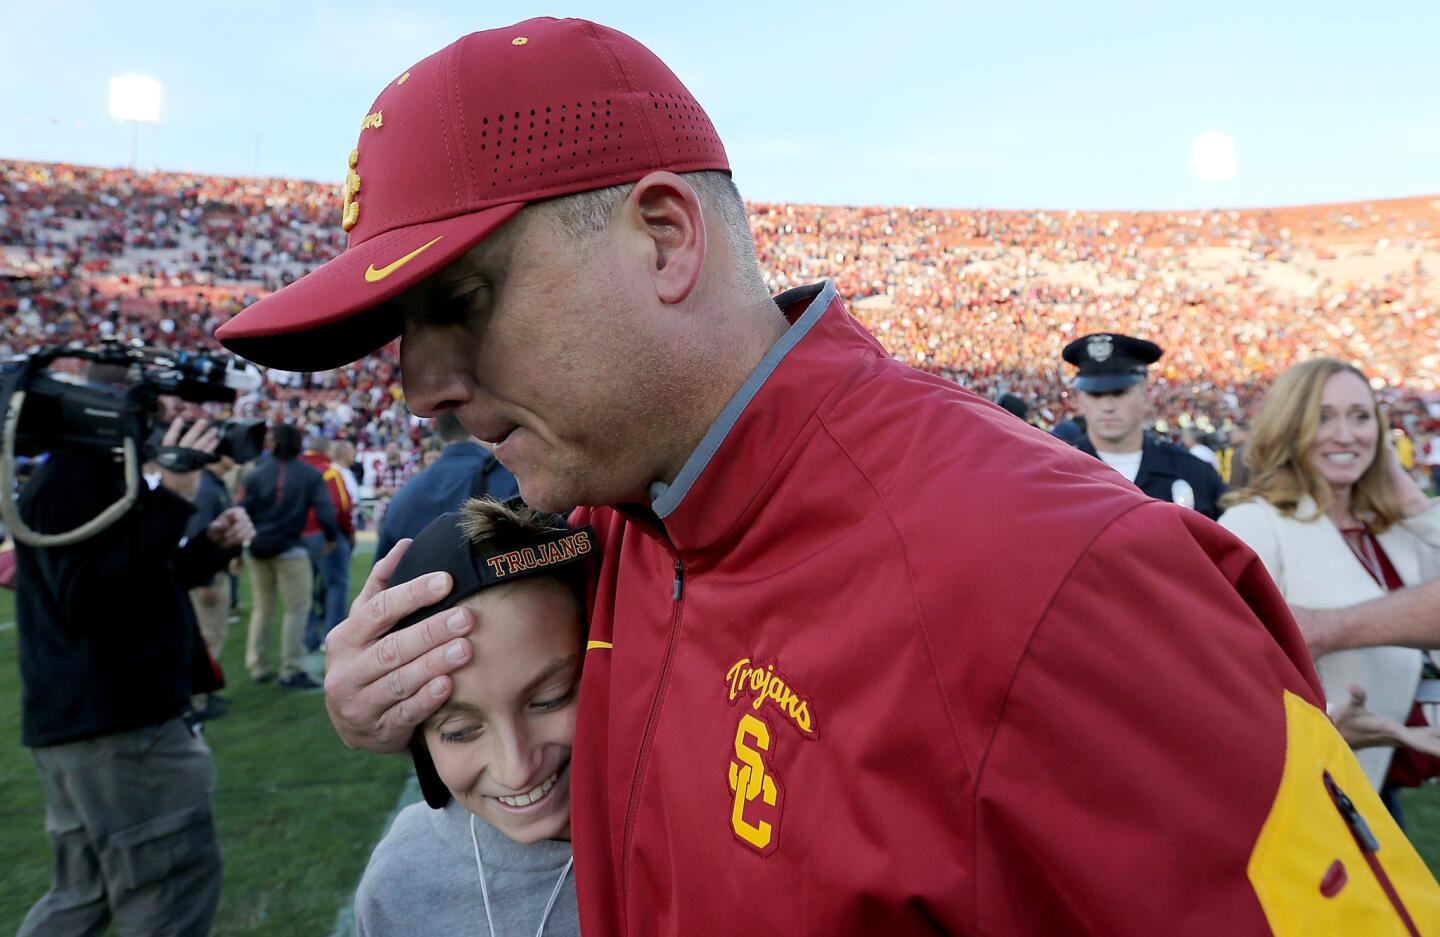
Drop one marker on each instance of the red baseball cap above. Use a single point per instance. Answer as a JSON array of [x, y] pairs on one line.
[[454, 148]]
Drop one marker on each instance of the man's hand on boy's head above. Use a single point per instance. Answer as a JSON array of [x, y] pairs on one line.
[[379, 686]]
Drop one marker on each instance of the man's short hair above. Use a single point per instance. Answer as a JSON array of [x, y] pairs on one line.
[[285, 441], [585, 213]]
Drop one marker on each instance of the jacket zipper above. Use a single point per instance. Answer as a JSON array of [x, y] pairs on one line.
[[650, 726], [1369, 845]]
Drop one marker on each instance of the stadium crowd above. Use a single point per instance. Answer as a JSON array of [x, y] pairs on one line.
[[987, 298]]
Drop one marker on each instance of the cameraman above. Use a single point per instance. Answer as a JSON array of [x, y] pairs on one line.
[[106, 643]]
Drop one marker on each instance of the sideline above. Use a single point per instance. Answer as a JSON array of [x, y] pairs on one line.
[[345, 917], [6, 625]]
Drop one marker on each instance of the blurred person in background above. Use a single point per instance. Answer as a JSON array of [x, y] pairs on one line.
[[342, 453], [1230, 459], [1429, 458], [1013, 403], [430, 448], [1404, 448], [1195, 443], [394, 473], [279, 493], [464, 469], [330, 560], [211, 599], [231, 473], [1337, 521], [1070, 430]]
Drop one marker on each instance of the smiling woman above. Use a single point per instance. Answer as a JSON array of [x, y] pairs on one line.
[[1317, 438], [1337, 521]]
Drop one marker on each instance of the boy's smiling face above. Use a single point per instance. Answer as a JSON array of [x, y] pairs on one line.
[[501, 744]]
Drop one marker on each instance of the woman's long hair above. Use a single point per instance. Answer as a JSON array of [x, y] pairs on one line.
[[1275, 451]]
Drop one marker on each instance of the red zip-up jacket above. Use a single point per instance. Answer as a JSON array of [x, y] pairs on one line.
[[339, 495], [884, 660]]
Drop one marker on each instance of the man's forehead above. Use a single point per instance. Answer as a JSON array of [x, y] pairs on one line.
[[492, 253], [1135, 389]]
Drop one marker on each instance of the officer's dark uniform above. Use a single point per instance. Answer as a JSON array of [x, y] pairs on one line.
[[1109, 362]]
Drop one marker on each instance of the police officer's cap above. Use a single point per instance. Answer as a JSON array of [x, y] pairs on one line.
[[1108, 361]]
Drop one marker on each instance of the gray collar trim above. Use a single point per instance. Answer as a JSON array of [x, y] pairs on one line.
[[666, 498]]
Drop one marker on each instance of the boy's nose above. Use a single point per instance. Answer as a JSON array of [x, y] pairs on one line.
[[516, 761]]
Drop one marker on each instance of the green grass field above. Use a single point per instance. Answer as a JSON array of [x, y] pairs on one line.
[[297, 812]]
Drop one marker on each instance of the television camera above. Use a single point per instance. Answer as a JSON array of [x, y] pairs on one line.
[[44, 411]]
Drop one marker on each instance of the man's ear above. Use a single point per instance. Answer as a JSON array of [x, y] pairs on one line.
[[668, 213]]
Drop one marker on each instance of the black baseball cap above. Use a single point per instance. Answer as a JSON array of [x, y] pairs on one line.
[[1014, 404], [444, 547], [1109, 361]]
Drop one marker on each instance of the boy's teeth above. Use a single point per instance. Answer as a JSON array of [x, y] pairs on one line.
[[532, 795]]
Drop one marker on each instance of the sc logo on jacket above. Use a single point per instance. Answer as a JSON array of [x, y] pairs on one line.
[[757, 793], [751, 780]]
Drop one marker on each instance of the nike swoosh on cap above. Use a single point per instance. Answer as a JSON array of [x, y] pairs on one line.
[[375, 276]]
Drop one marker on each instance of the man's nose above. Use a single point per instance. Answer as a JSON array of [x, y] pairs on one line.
[[431, 375]]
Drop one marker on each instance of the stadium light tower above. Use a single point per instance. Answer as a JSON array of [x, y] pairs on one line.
[[135, 99]]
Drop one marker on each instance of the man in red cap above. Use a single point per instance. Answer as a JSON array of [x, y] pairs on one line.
[[866, 654]]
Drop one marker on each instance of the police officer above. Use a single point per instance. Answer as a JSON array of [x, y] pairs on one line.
[[1110, 387]]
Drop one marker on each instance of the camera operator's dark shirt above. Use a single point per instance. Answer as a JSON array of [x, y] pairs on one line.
[[210, 502], [106, 629]]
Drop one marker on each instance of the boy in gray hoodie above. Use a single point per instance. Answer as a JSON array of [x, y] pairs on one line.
[[489, 849]]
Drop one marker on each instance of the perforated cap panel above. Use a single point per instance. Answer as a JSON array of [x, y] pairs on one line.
[[452, 148], [488, 121]]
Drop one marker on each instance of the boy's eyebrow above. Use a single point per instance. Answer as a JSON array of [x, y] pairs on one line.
[[551, 669], [447, 708], [453, 705]]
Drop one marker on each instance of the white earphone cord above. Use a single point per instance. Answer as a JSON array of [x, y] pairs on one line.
[[485, 891]]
